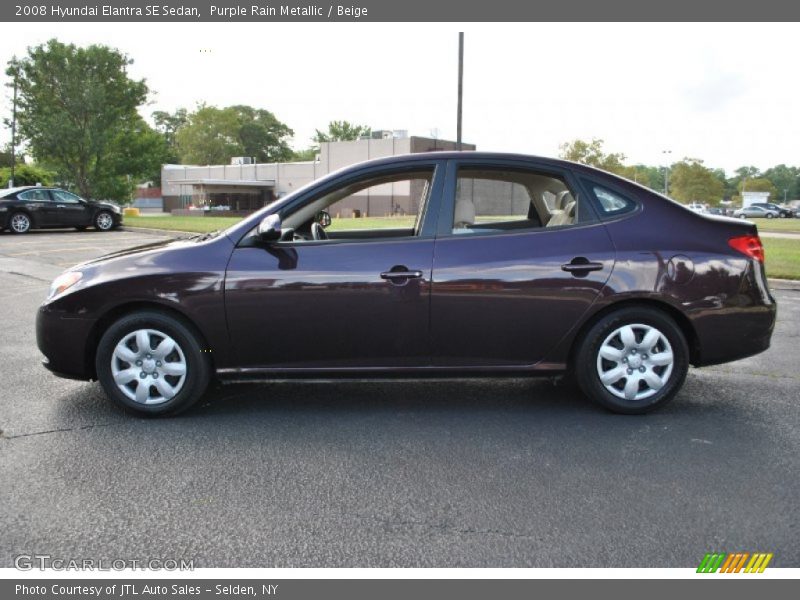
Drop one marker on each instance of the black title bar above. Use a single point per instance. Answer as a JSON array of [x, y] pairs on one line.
[[399, 11]]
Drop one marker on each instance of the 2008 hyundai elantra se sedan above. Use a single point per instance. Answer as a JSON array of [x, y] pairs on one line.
[[486, 265]]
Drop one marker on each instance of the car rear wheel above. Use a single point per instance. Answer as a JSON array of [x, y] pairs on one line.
[[632, 360], [770, 215], [19, 223], [103, 221], [152, 363]]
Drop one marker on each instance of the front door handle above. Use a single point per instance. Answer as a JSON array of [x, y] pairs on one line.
[[400, 276], [580, 265]]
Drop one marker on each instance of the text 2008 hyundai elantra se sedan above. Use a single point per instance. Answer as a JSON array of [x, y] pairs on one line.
[[488, 264]]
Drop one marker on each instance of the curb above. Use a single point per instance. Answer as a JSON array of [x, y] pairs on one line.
[[784, 284]]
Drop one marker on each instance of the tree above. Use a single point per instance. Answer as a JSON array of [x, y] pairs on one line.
[[305, 155], [785, 179], [77, 110], [26, 175], [692, 181], [213, 135], [168, 124], [341, 131], [591, 153], [759, 184]]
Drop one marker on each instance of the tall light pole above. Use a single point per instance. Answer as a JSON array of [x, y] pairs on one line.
[[14, 129], [666, 170], [460, 87]]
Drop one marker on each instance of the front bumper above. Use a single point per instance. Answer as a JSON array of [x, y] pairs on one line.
[[64, 343]]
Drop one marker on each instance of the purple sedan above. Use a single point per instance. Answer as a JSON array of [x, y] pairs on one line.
[[470, 264]]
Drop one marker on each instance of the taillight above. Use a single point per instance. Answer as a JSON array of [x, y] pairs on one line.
[[749, 245]]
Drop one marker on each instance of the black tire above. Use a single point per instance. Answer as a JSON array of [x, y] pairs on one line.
[[197, 363], [19, 217], [104, 221], [770, 215], [586, 367]]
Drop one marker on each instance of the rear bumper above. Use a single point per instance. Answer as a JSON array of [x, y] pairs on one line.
[[63, 341], [735, 335]]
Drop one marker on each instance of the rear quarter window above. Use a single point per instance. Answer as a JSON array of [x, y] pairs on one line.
[[610, 203]]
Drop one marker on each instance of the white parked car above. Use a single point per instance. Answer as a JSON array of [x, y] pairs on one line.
[[697, 207]]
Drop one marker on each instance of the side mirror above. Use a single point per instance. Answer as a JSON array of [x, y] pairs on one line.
[[323, 218], [269, 229]]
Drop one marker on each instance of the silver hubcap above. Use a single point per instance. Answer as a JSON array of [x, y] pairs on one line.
[[20, 223], [635, 361], [104, 221], [148, 366]]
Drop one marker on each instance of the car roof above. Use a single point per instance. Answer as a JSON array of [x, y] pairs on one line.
[[9, 191], [472, 154]]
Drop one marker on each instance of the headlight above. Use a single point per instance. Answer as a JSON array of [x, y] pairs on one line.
[[63, 282]]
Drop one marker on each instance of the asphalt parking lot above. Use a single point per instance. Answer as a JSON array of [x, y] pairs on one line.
[[496, 473]]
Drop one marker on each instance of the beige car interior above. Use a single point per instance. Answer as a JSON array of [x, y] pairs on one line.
[[550, 202]]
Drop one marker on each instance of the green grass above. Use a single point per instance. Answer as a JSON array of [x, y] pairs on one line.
[[191, 224], [372, 223], [787, 225], [204, 224], [782, 257]]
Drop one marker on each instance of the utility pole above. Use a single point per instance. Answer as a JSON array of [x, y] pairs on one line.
[[666, 170], [460, 86], [14, 133]]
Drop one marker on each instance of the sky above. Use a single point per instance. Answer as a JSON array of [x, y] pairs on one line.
[[724, 93]]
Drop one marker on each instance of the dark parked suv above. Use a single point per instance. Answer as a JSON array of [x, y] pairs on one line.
[[31, 207], [501, 265], [783, 212]]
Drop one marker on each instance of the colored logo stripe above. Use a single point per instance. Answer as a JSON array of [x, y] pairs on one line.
[[735, 562]]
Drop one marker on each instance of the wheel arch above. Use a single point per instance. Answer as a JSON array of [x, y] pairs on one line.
[[20, 209], [121, 310], [681, 320]]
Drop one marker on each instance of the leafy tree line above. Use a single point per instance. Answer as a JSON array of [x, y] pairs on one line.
[[78, 115], [689, 179]]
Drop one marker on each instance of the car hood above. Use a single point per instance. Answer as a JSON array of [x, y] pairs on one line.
[[145, 251]]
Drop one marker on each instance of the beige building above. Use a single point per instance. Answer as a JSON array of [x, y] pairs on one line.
[[242, 187]]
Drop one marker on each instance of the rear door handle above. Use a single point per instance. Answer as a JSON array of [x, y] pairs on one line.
[[581, 265]]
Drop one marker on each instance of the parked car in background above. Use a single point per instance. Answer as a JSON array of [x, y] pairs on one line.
[[513, 266], [697, 207], [37, 207], [755, 212], [783, 212]]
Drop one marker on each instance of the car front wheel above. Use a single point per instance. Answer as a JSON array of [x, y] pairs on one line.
[[152, 363], [632, 360], [103, 221], [19, 223]]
